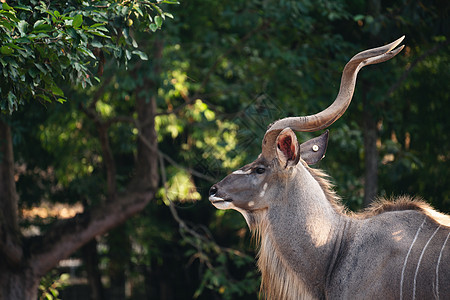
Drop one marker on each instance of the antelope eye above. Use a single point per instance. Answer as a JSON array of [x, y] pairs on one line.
[[260, 170]]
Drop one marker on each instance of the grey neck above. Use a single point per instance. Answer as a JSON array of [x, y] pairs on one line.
[[306, 229]]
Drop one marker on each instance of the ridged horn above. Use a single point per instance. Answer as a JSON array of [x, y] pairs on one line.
[[328, 116]]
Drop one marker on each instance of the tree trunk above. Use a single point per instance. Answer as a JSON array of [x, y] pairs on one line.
[[10, 248], [119, 253], [146, 170], [91, 261], [18, 284], [370, 128], [16, 280], [370, 154]]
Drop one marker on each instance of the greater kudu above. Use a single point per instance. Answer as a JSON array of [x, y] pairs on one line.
[[310, 246]]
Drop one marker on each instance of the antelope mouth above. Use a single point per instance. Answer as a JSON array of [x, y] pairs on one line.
[[221, 203], [214, 199]]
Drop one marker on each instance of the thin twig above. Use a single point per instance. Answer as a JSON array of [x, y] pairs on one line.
[[182, 224]]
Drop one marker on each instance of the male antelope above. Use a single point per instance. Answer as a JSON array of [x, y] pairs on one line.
[[310, 246]]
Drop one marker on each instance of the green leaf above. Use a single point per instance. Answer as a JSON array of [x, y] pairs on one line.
[[14, 46], [5, 6], [44, 97], [73, 33], [23, 40], [159, 10], [22, 26], [168, 15], [100, 34], [56, 90], [12, 101], [97, 25], [41, 26], [153, 27], [139, 11], [33, 72], [10, 15], [7, 24], [77, 21], [40, 68], [128, 54], [141, 54], [6, 50], [38, 23], [158, 21], [134, 43], [23, 7], [87, 52], [96, 44]]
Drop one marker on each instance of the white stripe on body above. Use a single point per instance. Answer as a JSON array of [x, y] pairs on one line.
[[437, 266], [407, 256], [420, 260]]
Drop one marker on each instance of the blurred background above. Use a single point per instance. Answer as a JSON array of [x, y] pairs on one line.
[[216, 75]]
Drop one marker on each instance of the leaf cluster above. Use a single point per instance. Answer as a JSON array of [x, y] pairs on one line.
[[44, 44]]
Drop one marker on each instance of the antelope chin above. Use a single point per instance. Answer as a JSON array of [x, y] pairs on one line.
[[221, 203]]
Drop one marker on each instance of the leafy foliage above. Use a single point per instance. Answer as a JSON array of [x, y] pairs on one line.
[[43, 44], [50, 289]]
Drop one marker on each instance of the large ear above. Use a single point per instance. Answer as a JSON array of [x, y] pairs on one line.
[[288, 149], [313, 150]]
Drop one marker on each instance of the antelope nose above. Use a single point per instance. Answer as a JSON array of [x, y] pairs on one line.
[[213, 190]]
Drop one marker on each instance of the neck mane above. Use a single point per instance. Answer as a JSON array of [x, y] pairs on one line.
[[278, 280]]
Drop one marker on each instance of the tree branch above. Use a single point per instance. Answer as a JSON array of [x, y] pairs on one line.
[[65, 236]]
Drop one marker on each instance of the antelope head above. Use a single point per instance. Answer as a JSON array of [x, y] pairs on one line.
[[256, 186]]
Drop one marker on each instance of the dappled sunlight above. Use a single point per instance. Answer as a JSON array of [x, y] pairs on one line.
[[104, 109], [398, 235], [49, 210], [179, 187], [437, 216], [319, 231], [168, 125]]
